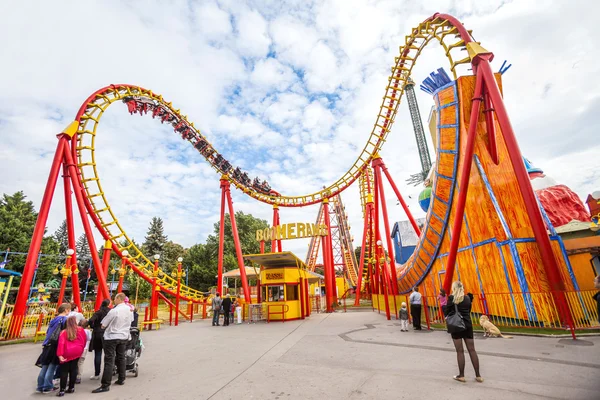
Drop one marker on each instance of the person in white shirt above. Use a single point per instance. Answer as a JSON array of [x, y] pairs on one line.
[[415, 308], [116, 326], [88, 336]]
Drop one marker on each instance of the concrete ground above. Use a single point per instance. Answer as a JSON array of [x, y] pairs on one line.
[[357, 355]]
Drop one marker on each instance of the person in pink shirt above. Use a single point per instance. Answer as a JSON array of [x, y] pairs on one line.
[[71, 343]]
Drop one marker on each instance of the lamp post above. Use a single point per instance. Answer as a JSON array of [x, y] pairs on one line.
[[178, 275], [65, 271], [122, 270], [154, 299]]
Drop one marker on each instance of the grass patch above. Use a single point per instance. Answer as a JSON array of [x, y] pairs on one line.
[[17, 341]]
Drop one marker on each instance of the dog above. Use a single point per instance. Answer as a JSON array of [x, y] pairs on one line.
[[489, 329]]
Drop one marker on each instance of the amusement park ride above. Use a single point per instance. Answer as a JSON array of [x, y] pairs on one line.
[[484, 225]]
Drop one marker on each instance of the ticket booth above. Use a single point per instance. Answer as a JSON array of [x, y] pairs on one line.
[[284, 282]]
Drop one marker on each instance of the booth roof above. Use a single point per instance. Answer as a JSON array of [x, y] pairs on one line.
[[283, 259], [235, 273]]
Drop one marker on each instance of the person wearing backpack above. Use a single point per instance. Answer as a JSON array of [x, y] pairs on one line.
[[97, 333], [458, 321], [71, 344], [47, 361], [217, 302]]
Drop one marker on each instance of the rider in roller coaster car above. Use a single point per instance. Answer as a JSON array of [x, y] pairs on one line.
[[237, 173]]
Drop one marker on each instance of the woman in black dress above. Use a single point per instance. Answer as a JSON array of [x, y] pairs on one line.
[[463, 304], [97, 334]]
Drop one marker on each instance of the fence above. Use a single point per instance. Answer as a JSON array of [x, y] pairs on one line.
[[523, 310]]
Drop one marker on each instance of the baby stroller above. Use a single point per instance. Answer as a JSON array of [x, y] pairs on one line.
[[133, 351]]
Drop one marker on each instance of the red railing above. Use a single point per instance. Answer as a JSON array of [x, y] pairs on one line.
[[284, 309]]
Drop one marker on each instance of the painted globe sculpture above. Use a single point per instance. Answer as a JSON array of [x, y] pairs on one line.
[[425, 199]]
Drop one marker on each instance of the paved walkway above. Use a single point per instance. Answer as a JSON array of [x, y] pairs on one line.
[[356, 355]]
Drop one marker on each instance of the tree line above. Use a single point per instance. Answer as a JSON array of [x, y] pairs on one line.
[[17, 221]]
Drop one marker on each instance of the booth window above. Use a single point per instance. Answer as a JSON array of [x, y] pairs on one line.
[[272, 293], [291, 292]]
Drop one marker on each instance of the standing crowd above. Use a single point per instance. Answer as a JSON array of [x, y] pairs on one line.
[[70, 336], [224, 306]]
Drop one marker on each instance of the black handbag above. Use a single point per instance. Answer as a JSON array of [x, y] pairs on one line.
[[455, 322]]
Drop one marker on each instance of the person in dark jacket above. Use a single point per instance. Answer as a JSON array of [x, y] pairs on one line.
[[226, 310], [48, 360], [463, 305], [97, 333]]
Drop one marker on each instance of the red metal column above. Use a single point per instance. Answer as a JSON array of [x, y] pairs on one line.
[[105, 261], [378, 276], [384, 273], [301, 298], [463, 188], [400, 198], [86, 223], [224, 186], [71, 235], [36, 241], [533, 209], [306, 298], [386, 223], [154, 299], [238, 247], [178, 292], [327, 264]]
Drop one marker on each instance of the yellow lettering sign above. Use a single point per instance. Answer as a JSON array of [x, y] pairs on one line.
[[294, 230], [274, 275]]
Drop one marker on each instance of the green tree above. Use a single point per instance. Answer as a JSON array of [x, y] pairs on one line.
[[171, 252], [155, 238], [17, 221], [62, 238], [202, 259], [82, 248]]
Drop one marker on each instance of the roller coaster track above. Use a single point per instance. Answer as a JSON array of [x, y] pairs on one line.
[[451, 35]]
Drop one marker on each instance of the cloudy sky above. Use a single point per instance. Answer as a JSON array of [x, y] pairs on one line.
[[288, 91]]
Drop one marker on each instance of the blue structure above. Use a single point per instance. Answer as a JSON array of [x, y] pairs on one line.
[[405, 240]]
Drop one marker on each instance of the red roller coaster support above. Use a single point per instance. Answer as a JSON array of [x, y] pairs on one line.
[[105, 261], [238, 247], [87, 228], [36, 241], [412, 220], [224, 187], [327, 264], [533, 209], [463, 188], [154, 298], [377, 164], [71, 236], [275, 244]]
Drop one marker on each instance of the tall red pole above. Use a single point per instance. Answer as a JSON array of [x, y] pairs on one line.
[[36, 240], [378, 275], [531, 205], [71, 235], [301, 298], [238, 246], [386, 223], [105, 262], [412, 220], [178, 291], [327, 264], [154, 299], [274, 230], [384, 275], [459, 210], [85, 221], [224, 186]]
